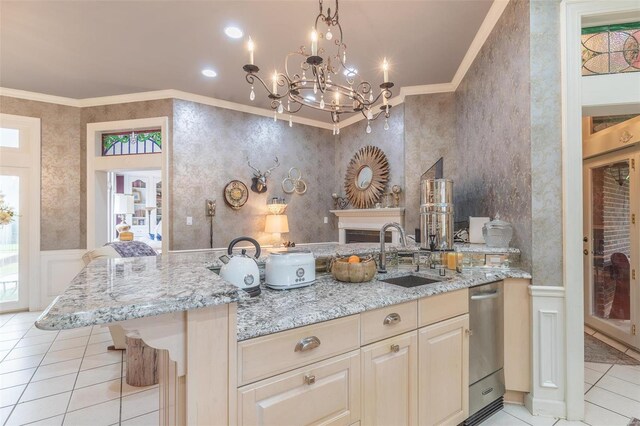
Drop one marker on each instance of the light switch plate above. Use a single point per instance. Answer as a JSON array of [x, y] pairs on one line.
[[189, 220]]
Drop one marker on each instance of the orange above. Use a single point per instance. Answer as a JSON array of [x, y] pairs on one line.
[[354, 259]]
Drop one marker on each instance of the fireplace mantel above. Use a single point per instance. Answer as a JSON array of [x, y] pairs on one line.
[[368, 219]]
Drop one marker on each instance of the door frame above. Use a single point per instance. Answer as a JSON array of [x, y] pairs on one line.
[[572, 13], [630, 153], [29, 159], [98, 166]]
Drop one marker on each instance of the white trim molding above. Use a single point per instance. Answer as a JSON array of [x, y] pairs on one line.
[[57, 269], [496, 10], [547, 397]]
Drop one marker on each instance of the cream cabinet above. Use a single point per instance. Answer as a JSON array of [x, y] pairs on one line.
[[390, 381], [443, 372], [326, 393]]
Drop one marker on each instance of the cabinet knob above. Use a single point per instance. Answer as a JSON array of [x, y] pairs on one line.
[[586, 252], [307, 344], [395, 348], [468, 332], [392, 319], [309, 379]]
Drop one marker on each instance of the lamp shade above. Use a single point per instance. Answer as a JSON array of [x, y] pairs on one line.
[[276, 224], [123, 204]]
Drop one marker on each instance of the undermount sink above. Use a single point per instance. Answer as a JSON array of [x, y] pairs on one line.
[[410, 281]]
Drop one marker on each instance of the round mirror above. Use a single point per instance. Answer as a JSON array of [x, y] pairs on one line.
[[363, 180]]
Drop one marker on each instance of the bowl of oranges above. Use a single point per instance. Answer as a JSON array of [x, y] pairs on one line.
[[354, 269]]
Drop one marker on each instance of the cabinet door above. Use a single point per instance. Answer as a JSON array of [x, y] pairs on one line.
[[325, 393], [443, 367], [390, 385]]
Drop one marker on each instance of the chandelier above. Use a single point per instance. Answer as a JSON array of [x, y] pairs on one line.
[[320, 79]]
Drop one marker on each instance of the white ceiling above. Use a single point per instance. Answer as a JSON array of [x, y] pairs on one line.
[[84, 49]]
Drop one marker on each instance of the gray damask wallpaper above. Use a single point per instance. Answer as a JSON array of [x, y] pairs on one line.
[[209, 149], [60, 217], [493, 133]]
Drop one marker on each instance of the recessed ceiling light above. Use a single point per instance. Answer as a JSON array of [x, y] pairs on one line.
[[350, 72], [209, 73], [233, 32]]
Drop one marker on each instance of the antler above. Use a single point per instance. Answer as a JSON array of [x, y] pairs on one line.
[[268, 172], [256, 171]]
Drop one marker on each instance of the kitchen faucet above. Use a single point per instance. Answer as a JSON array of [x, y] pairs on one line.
[[382, 267]]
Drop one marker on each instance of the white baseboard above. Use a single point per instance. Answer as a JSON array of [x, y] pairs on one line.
[[547, 397], [57, 269]]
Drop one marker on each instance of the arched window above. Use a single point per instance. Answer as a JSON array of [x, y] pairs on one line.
[[611, 49], [131, 143]]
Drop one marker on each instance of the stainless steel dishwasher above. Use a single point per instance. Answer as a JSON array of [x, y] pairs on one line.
[[486, 351]]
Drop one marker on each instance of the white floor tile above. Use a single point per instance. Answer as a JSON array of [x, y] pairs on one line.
[[598, 416], [20, 363], [609, 341], [503, 419], [592, 376], [16, 378], [99, 329], [614, 402], [18, 326], [4, 414], [563, 422], [7, 345], [11, 335], [587, 386], [73, 333], [63, 355], [58, 369], [151, 419], [626, 373], [596, 366], [106, 413], [140, 403], [99, 360], [128, 389], [3, 354], [95, 394], [101, 338], [520, 412], [39, 409], [49, 387], [36, 340], [28, 351], [96, 348], [74, 342], [33, 332], [99, 375], [51, 421], [10, 396], [621, 387]]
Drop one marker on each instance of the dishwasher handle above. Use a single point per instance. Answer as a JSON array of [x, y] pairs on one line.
[[485, 295]]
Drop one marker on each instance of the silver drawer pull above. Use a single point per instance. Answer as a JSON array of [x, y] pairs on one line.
[[307, 344], [395, 348], [309, 379], [392, 319], [485, 295]]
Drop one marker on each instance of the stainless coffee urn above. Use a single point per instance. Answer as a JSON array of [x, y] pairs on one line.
[[436, 214]]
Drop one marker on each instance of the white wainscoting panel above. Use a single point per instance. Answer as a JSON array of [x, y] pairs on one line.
[[57, 269], [547, 397]]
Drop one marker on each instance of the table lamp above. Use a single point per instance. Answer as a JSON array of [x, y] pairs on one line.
[[277, 224], [123, 205]]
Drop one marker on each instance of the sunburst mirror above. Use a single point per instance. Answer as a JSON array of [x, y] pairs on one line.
[[367, 176]]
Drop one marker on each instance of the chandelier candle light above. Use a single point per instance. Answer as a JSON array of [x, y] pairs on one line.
[[314, 73]]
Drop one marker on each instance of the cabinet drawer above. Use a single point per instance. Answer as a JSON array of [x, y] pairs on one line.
[[327, 392], [388, 321], [443, 306], [269, 355]]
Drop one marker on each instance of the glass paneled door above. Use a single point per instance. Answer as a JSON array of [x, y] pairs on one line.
[[611, 241]]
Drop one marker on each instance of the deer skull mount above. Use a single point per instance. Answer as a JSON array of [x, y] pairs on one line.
[[259, 179]]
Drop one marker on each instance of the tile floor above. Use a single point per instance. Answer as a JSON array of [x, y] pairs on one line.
[[612, 396], [53, 378]]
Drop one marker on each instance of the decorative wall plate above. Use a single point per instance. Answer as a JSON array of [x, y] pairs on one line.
[[236, 194], [366, 177]]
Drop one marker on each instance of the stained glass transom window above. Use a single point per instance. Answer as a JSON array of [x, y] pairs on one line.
[[131, 143], [611, 49]]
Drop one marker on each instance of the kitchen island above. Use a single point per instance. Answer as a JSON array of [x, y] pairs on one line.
[[205, 328]]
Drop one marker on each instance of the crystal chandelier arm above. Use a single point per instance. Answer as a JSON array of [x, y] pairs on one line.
[[282, 81]]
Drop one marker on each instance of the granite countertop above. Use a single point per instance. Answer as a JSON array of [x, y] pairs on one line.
[[278, 310], [110, 290]]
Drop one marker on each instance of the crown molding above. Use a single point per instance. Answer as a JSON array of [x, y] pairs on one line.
[[496, 10], [490, 21]]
